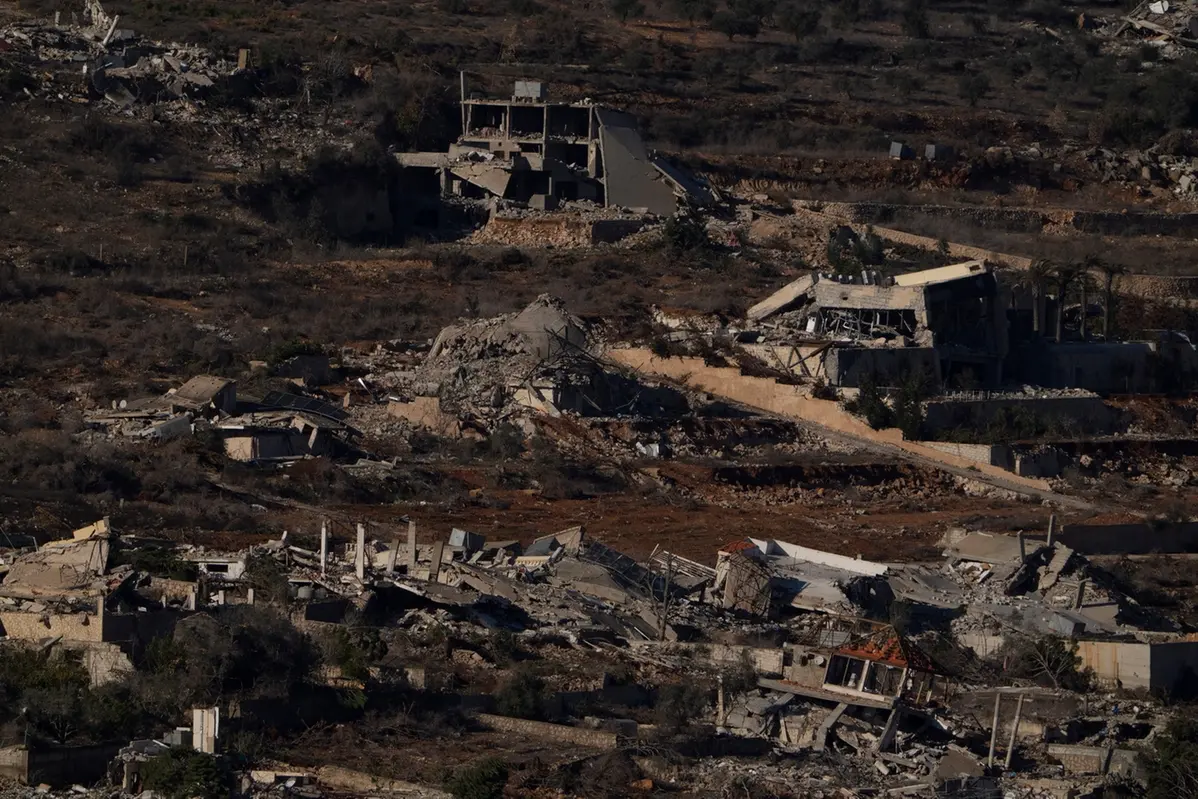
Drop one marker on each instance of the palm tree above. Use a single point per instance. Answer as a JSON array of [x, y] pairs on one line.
[[1036, 278], [1065, 274], [1109, 271]]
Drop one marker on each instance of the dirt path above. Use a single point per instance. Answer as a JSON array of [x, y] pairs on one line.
[[832, 421]]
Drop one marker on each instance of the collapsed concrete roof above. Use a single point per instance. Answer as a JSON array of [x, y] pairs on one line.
[[61, 568], [827, 291]]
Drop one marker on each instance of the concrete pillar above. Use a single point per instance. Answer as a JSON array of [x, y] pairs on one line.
[[1022, 546], [249, 595], [864, 675], [1052, 527], [391, 556], [434, 568], [1081, 595], [324, 546], [411, 547], [1014, 732], [994, 729], [205, 728], [360, 559], [721, 712]]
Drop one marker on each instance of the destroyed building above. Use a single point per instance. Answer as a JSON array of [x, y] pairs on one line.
[[541, 359], [959, 325], [941, 322], [539, 153]]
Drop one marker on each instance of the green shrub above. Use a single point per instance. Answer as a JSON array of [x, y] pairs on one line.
[[679, 704], [871, 405], [184, 773], [522, 696], [686, 230], [482, 779]]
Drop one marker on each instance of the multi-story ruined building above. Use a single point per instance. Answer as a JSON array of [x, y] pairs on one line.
[[529, 150]]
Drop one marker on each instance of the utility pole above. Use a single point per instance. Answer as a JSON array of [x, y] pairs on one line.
[[1014, 732], [994, 729]]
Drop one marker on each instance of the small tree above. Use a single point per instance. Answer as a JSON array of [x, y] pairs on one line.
[[974, 88], [1052, 662], [625, 9], [908, 405], [870, 404], [731, 25], [695, 9], [1172, 767], [678, 704], [798, 21], [686, 230], [915, 19]]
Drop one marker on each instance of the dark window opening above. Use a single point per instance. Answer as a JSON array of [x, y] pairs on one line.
[[528, 121], [569, 121], [487, 118]]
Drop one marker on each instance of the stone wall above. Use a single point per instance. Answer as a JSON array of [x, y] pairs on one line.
[[989, 454], [1080, 759], [70, 765], [14, 763], [596, 739], [1087, 411], [25, 626], [360, 783], [558, 230]]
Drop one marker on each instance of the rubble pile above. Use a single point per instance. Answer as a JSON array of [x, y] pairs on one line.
[[468, 362], [117, 65], [839, 699]]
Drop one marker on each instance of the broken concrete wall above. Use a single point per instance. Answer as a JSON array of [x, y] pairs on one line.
[[1130, 539], [426, 412], [888, 366], [1171, 664], [1042, 461], [267, 444], [1118, 663], [1115, 367], [14, 763], [806, 668], [105, 662], [990, 454], [630, 178], [1089, 413], [71, 765]]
